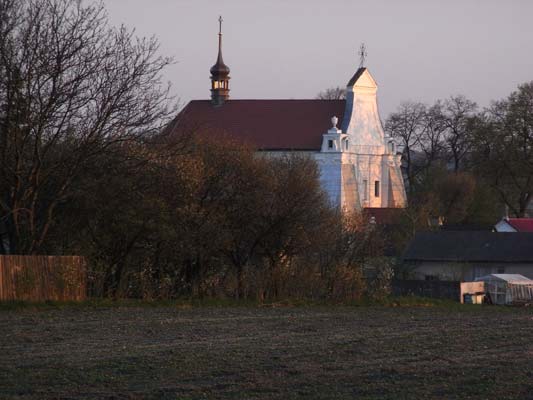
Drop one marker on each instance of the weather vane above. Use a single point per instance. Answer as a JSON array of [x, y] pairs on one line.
[[362, 55], [220, 24]]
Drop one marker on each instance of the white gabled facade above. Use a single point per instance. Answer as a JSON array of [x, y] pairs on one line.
[[504, 226], [358, 164]]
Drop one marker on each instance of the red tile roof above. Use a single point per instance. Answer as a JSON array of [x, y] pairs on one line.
[[264, 124], [521, 224]]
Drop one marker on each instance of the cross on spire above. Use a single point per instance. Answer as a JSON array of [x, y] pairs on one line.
[[220, 24], [362, 55]]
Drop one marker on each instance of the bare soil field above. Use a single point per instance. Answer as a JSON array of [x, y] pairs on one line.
[[267, 353]]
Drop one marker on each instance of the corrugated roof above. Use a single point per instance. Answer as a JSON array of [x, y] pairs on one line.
[[264, 124], [474, 246], [511, 278]]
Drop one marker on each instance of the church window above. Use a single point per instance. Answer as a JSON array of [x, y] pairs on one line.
[[346, 145], [365, 190], [330, 144], [376, 188]]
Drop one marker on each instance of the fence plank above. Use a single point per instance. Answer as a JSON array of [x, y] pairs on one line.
[[436, 289], [40, 278]]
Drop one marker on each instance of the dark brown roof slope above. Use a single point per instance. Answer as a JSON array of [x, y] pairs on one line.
[[473, 246], [356, 76], [264, 124]]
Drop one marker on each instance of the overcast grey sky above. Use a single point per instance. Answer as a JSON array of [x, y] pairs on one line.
[[417, 49]]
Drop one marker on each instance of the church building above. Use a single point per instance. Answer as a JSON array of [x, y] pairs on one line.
[[359, 167]]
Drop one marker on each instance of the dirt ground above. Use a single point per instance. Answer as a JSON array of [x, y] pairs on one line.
[[267, 353]]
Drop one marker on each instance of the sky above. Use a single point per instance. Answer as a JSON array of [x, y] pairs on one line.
[[418, 50]]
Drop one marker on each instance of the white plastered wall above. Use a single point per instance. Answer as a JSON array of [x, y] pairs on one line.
[[368, 158]]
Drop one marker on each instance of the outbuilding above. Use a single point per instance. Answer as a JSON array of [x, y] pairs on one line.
[[508, 288], [467, 255]]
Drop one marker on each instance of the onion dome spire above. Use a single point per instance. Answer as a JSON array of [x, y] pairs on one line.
[[219, 74]]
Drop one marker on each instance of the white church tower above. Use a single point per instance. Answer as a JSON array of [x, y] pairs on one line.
[[358, 163]]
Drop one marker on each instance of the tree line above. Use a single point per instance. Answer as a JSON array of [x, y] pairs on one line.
[[472, 161]]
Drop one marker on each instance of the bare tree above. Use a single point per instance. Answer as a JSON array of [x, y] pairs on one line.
[[334, 93], [294, 214], [71, 87], [458, 114], [407, 126], [432, 137], [503, 148]]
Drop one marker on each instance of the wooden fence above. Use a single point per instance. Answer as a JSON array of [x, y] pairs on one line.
[[436, 289], [41, 278]]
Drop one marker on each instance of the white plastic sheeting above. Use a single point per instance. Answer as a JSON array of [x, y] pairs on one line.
[[508, 288]]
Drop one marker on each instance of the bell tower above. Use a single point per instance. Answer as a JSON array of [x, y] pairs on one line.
[[219, 74]]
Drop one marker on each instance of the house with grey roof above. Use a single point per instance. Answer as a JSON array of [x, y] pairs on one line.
[[467, 255]]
